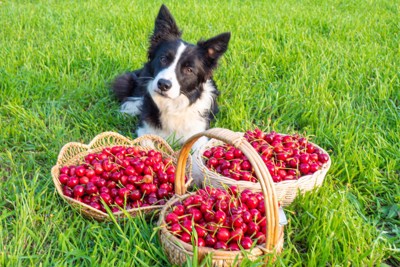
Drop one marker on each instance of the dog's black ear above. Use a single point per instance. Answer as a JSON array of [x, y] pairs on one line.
[[165, 27], [215, 47]]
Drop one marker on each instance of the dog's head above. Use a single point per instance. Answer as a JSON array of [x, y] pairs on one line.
[[177, 66]]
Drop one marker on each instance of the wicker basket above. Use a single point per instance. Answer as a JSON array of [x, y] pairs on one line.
[[286, 191], [177, 251], [73, 153]]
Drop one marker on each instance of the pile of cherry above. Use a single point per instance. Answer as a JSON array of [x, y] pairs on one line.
[[287, 157], [120, 177], [221, 219]]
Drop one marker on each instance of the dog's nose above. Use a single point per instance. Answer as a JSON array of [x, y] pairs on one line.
[[164, 85]]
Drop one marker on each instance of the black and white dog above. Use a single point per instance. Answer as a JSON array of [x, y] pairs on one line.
[[174, 93]]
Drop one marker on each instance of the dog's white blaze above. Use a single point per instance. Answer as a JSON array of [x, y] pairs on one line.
[[179, 119], [170, 74]]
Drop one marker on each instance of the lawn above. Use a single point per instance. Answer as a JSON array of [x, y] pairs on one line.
[[329, 70]]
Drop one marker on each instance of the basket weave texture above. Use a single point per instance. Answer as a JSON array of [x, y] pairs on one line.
[[73, 153], [177, 251], [286, 191]]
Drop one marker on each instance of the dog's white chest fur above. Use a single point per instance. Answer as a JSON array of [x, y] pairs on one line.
[[180, 120]]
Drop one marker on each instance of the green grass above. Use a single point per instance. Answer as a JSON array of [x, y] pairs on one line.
[[330, 70]]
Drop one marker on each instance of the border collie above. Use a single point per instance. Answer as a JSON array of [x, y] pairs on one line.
[[174, 93]]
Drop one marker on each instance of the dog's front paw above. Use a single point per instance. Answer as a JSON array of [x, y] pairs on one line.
[[132, 106]]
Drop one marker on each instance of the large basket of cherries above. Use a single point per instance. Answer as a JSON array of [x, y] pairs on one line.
[[114, 174], [227, 223], [295, 164]]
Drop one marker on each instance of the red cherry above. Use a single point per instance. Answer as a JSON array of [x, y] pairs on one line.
[[255, 214], [233, 246], [83, 180], [179, 210], [79, 191], [104, 189], [123, 193], [201, 242], [252, 202], [218, 154], [90, 173], [246, 216], [282, 173], [135, 195], [73, 181], [210, 241], [170, 170], [252, 228], [313, 157], [175, 229], [282, 156], [260, 237], [119, 201], [221, 205], [111, 184], [223, 235], [304, 168], [237, 222], [95, 205], [98, 169], [323, 158], [314, 167], [237, 234], [229, 155], [94, 179], [80, 171], [201, 232], [91, 188], [86, 199], [63, 178], [219, 216], [246, 242], [116, 176], [139, 166], [130, 171], [237, 153], [245, 165], [310, 148], [207, 154], [113, 192], [64, 170], [72, 171], [304, 158], [220, 245], [152, 200], [67, 191], [293, 162], [162, 193], [187, 224], [213, 162], [106, 198], [196, 214], [167, 186]]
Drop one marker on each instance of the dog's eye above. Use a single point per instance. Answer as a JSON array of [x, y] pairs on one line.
[[188, 70], [163, 60]]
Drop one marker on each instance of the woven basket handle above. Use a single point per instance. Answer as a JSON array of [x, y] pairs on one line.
[[262, 173]]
